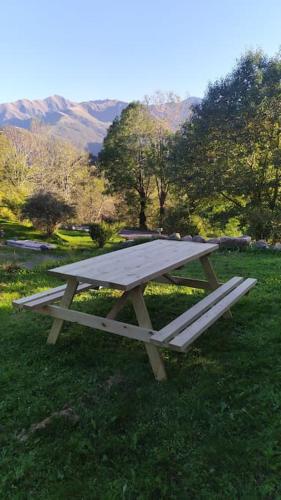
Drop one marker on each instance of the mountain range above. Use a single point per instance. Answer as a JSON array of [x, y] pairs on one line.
[[84, 124]]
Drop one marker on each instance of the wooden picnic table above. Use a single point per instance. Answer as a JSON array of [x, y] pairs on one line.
[[130, 270]]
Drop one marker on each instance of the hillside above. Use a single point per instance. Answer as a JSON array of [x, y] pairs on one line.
[[83, 124]]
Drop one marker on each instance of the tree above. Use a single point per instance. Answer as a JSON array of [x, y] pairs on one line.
[[14, 178], [41, 162], [231, 149], [125, 157], [166, 106], [162, 162], [46, 211]]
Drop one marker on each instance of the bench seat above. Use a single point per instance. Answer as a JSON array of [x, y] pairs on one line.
[[181, 332], [178, 335], [48, 296]]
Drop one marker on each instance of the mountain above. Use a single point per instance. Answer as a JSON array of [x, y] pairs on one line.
[[83, 124]]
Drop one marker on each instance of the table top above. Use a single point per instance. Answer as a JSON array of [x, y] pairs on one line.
[[124, 269]]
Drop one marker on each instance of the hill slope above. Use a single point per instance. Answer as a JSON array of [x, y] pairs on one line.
[[84, 124]]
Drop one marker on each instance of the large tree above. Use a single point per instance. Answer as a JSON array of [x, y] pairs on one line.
[[46, 211], [14, 177], [231, 150], [162, 164], [125, 159]]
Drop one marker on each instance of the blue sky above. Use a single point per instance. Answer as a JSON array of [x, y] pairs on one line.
[[124, 49]]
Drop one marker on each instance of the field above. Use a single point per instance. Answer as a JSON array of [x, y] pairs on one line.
[[212, 431]]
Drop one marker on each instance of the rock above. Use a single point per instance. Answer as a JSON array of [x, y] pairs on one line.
[[277, 246], [175, 236], [198, 239], [234, 242], [187, 238], [214, 240], [262, 244], [246, 238]]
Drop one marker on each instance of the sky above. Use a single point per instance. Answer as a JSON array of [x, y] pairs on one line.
[[125, 49]]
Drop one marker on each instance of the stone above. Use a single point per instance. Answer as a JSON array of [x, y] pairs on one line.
[[247, 237], [262, 244], [198, 239], [175, 236], [214, 240], [230, 242], [188, 237]]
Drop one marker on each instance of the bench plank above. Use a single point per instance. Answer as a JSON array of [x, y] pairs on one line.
[[195, 312], [185, 338], [47, 297]]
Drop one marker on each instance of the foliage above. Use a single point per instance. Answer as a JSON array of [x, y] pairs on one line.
[[125, 157], [30, 162], [179, 219], [46, 211], [102, 232], [162, 164], [14, 178], [231, 148]]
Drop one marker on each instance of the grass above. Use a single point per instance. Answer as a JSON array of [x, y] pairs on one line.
[[212, 431]]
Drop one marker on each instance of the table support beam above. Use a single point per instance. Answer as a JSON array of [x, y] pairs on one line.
[[65, 302], [155, 358], [118, 306], [212, 279], [182, 281]]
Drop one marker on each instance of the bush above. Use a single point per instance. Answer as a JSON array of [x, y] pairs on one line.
[[101, 232], [46, 211], [178, 219]]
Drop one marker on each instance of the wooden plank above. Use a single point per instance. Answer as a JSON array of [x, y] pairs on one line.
[[155, 358], [65, 302], [118, 306], [182, 281], [45, 293], [48, 298], [127, 268], [57, 291], [92, 321], [194, 312], [211, 277], [121, 302], [185, 338]]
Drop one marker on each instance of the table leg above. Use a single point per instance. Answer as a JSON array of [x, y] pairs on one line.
[[65, 302], [118, 306], [212, 279], [143, 318]]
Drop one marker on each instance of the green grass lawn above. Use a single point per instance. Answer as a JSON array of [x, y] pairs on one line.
[[212, 431]]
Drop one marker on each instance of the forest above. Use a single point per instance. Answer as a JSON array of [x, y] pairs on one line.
[[219, 174]]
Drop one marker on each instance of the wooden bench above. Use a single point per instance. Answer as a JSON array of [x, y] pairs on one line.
[[181, 332], [129, 271], [178, 335], [48, 296]]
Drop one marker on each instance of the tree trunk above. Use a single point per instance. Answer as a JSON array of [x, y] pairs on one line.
[[142, 215], [162, 200]]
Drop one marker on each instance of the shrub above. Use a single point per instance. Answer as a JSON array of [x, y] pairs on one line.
[[101, 232], [178, 219], [46, 211]]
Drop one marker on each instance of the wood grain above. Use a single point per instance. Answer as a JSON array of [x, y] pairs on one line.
[[194, 312], [125, 269], [184, 339]]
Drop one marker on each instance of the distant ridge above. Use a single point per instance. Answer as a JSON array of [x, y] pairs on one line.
[[83, 124]]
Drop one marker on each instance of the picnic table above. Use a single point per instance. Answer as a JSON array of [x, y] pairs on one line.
[[130, 270]]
